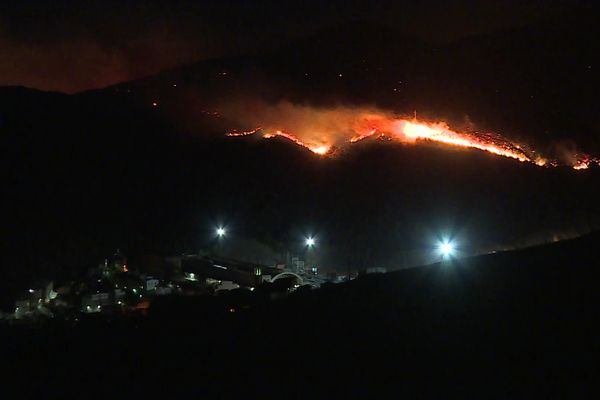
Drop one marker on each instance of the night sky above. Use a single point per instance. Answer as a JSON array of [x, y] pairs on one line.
[[71, 46]]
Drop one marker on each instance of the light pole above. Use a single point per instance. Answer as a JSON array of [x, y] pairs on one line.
[[309, 243]]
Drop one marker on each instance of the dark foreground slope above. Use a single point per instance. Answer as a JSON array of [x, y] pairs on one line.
[[500, 325]]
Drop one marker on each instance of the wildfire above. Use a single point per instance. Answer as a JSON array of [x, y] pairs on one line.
[[584, 161], [324, 131], [320, 149], [359, 137], [440, 132], [407, 131], [243, 133]]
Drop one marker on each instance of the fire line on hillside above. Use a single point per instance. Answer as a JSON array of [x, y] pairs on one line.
[[412, 131]]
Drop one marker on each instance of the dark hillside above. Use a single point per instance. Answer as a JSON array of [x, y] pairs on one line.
[[510, 324]]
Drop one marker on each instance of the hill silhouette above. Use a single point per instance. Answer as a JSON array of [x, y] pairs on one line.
[[534, 83]]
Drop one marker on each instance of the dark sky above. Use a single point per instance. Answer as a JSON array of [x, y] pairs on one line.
[[76, 45]]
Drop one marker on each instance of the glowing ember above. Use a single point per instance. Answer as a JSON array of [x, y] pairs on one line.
[[211, 113], [243, 133]]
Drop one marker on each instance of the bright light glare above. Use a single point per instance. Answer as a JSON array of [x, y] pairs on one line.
[[446, 248], [310, 241], [220, 231]]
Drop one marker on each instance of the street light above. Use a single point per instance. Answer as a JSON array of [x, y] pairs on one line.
[[309, 242], [446, 248], [221, 231]]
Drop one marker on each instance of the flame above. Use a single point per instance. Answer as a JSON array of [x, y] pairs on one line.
[[320, 149], [406, 131], [585, 161], [582, 164], [324, 131], [243, 133], [440, 132], [359, 137], [412, 130]]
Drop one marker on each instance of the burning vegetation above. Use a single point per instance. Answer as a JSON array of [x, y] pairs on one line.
[[325, 131]]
